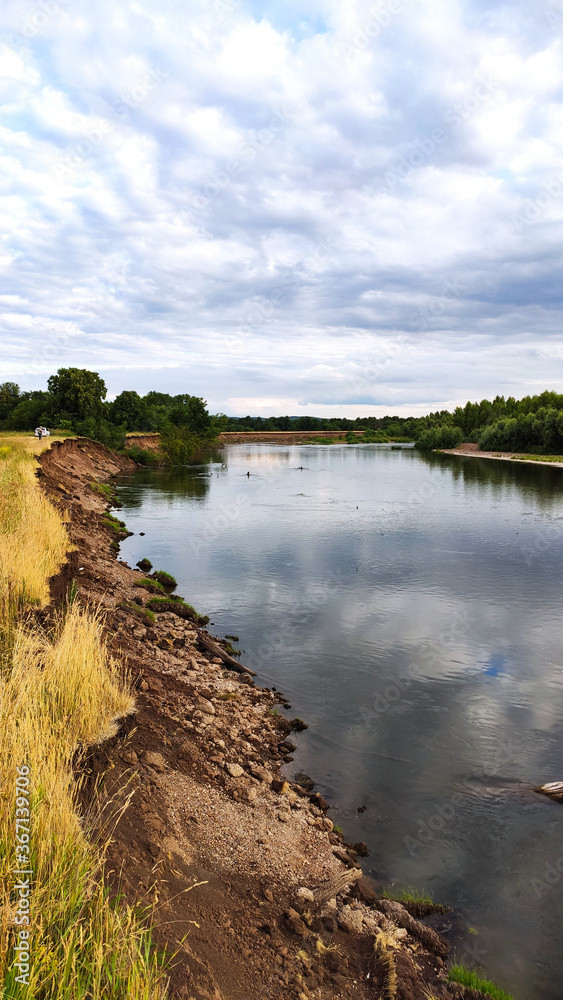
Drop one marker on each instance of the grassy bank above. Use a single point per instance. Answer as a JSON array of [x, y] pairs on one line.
[[60, 692]]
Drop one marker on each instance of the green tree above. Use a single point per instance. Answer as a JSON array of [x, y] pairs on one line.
[[190, 412], [76, 394], [128, 408], [31, 411], [9, 398]]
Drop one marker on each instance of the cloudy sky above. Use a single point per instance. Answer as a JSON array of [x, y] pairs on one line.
[[286, 207]]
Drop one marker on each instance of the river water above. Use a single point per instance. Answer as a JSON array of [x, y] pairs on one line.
[[410, 608]]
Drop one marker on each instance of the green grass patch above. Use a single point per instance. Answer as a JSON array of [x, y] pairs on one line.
[[409, 895], [103, 490], [164, 578], [178, 605], [153, 586], [114, 524], [459, 974], [147, 617]]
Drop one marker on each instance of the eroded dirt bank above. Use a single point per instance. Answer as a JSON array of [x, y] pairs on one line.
[[210, 808], [151, 441]]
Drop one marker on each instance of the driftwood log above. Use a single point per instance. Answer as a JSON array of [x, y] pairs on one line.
[[402, 918], [554, 790], [214, 647], [328, 890]]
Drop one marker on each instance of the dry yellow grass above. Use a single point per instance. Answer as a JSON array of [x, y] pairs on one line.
[[59, 694], [33, 539]]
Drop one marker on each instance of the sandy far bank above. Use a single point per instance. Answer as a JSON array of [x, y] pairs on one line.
[[473, 451]]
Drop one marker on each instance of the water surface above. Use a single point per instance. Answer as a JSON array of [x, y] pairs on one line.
[[410, 608]]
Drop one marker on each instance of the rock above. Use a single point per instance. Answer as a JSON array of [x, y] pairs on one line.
[[235, 770], [155, 760], [144, 564], [262, 774], [296, 924], [206, 706], [305, 781], [317, 800], [341, 855], [365, 891], [373, 921], [280, 786], [361, 849], [249, 794], [350, 920], [268, 894], [298, 726], [305, 895], [130, 757]]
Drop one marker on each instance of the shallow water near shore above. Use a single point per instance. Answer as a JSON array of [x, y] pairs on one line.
[[409, 607]]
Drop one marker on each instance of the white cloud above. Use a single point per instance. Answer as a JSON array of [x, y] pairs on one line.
[[202, 200]]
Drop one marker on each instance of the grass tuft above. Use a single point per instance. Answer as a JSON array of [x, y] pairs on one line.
[[165, 579], [153, 586], [459, 974]]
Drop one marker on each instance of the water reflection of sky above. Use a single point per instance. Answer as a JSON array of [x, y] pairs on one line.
[[409, 607]]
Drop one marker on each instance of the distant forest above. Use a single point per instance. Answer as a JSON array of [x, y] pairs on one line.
[[75, 400]]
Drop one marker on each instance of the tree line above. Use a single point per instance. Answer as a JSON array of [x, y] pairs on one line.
[[75, 400]]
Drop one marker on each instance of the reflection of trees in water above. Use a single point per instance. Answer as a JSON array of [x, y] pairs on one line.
[[191, 482], [539, 482]]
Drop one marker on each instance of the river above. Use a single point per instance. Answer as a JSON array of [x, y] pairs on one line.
[[409, 607]]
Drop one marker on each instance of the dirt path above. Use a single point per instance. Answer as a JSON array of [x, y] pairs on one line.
[[214, 837]]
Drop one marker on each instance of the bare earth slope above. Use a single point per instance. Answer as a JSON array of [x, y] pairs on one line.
[[210, 809]]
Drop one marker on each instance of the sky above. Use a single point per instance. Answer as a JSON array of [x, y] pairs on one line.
[[325, 208]]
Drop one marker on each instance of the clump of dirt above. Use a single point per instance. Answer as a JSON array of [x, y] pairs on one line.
[[233, 857]]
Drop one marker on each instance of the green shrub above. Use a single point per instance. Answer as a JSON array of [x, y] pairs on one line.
[[142, 456], [446, 436]]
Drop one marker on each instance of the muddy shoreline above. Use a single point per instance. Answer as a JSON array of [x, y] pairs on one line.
[[235, 859]]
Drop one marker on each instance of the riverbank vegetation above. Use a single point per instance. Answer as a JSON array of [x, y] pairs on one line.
[[533, 424], [60, 692], [75, 402]]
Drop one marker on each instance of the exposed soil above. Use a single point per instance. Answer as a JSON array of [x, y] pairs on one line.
[[151, 441], [213, 835]]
